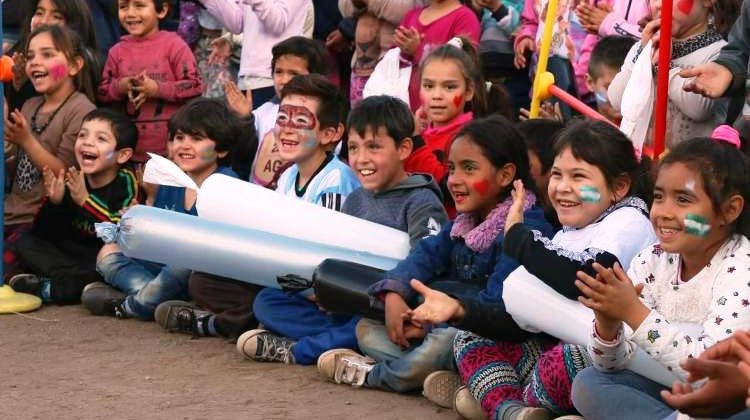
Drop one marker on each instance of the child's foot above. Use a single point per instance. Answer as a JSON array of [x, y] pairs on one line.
[[263, 346], [345, 366], [440, 387], [102, 299], [26, 283], [183, 317], [466, 405]]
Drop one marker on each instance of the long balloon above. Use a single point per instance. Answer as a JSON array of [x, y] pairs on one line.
[[662, 78], [227, 250]]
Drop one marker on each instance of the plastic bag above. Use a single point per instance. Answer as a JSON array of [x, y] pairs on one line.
[[389, 78]]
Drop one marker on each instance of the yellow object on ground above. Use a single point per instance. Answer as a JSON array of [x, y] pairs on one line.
[[12, 302]]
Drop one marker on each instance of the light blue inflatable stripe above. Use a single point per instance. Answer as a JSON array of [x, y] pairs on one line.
[[240, 253]]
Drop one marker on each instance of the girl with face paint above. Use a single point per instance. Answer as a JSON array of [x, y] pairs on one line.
[[682, 294]]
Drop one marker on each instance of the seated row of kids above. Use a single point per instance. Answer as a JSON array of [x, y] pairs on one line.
[[659, 250]]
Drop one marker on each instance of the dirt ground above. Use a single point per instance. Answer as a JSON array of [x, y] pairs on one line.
[[62, 363]]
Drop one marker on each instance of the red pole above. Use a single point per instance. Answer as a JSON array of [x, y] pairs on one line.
[[662, 78], [576, 104]]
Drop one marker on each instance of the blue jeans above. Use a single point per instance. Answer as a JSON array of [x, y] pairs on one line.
[[622, 395], [404, 370], [146, 283], [296, 317], [565, 79]]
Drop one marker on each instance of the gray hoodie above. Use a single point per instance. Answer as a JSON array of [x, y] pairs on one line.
[[413, 206]]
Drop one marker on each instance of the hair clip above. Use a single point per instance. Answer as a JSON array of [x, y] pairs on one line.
[[727, 134], [456, 42]]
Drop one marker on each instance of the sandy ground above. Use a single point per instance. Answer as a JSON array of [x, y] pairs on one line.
[[66, 364]]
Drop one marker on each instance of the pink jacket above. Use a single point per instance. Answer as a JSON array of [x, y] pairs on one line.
[[167, 59], [624, 18], [580, 60]]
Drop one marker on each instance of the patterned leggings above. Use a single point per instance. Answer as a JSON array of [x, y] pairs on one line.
[[536, 373]]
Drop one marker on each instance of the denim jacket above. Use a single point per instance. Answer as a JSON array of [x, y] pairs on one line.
[[444, 259]]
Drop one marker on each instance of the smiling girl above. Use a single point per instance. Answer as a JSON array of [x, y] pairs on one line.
[[45, 129], [681, 295]]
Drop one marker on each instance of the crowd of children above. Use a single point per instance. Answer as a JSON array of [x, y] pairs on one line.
[[656, 248]]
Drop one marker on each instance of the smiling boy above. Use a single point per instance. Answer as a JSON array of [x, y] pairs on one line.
[[62, 246]]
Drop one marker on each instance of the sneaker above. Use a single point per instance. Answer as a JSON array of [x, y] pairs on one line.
[[180, 316], [344, 366], [440, 387], [466, 405], [26, 283], [102, 299], [264, 346]]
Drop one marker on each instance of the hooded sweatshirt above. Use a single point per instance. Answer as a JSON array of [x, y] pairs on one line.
[[413, 206]]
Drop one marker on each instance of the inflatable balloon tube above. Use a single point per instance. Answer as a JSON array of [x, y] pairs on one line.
[[565, 319], [236, 202], [223, 249]]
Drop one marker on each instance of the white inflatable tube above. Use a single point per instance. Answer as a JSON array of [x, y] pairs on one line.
[[229, 200], [566, 319], [231, 251]]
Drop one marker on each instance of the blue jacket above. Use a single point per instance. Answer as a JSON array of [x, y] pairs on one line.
[[479, 275]]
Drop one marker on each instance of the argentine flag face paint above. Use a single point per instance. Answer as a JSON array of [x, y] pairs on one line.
[[590, 194]]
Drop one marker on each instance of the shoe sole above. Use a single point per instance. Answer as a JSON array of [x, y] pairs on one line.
[[244, 338], [440, 387]]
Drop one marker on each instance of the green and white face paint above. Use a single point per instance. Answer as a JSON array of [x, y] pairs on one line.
[[696, 225], [590, 194]]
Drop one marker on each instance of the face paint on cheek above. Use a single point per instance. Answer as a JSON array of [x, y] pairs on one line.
[[696, 225], [208, 154], [690, 185], [58, 71], [458, 100], [481, 187], [310, 141], [685, 6], [590, 194]]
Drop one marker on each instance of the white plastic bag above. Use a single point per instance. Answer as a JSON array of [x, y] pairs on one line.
[[638, 100], [389, 78]]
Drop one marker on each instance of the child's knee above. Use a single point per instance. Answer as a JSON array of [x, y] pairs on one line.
[[106, 250]]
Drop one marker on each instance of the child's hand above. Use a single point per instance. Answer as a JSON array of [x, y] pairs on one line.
[[491, 5], [651, 32], [335, 41], [525, 45], [237, 102], [76, 183], [437, 307], [19, 70], [149, 189], [591, 17], [613, 295], [54, 185], [711, 79], [143, 88], [17, 129], [407, 39], [221, 50], [547, 111], [515, 213], [421, 121], [125, 86], [395, 311]]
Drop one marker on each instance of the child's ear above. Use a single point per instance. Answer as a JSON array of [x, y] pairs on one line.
[[164, 9], [620, 187], [331, 135], [221, 155], [469, 94], [506, 174], [589, 82], [732, 208], [124, 155], [405, 148], [75, 66]]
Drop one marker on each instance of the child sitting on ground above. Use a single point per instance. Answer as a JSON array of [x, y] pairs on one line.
[[202, 134], [150, 72], [61, 248], [604, 64], [310, 122], [379, 141]]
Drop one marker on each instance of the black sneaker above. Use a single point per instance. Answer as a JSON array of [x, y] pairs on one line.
[[182, 317], [102, 299], [263, 346], [26, 283]]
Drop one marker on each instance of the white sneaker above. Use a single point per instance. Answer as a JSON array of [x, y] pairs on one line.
[[467, 406], [345, 366], [440, 387]]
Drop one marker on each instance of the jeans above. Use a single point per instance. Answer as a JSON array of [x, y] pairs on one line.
[[565, 79], [404, 370], [146, 283], [296, 317]]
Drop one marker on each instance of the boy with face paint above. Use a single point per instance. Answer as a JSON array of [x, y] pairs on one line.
[[61, 248], [202, 135]]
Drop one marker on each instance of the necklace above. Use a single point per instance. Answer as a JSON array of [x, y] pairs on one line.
[[39, 130]]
